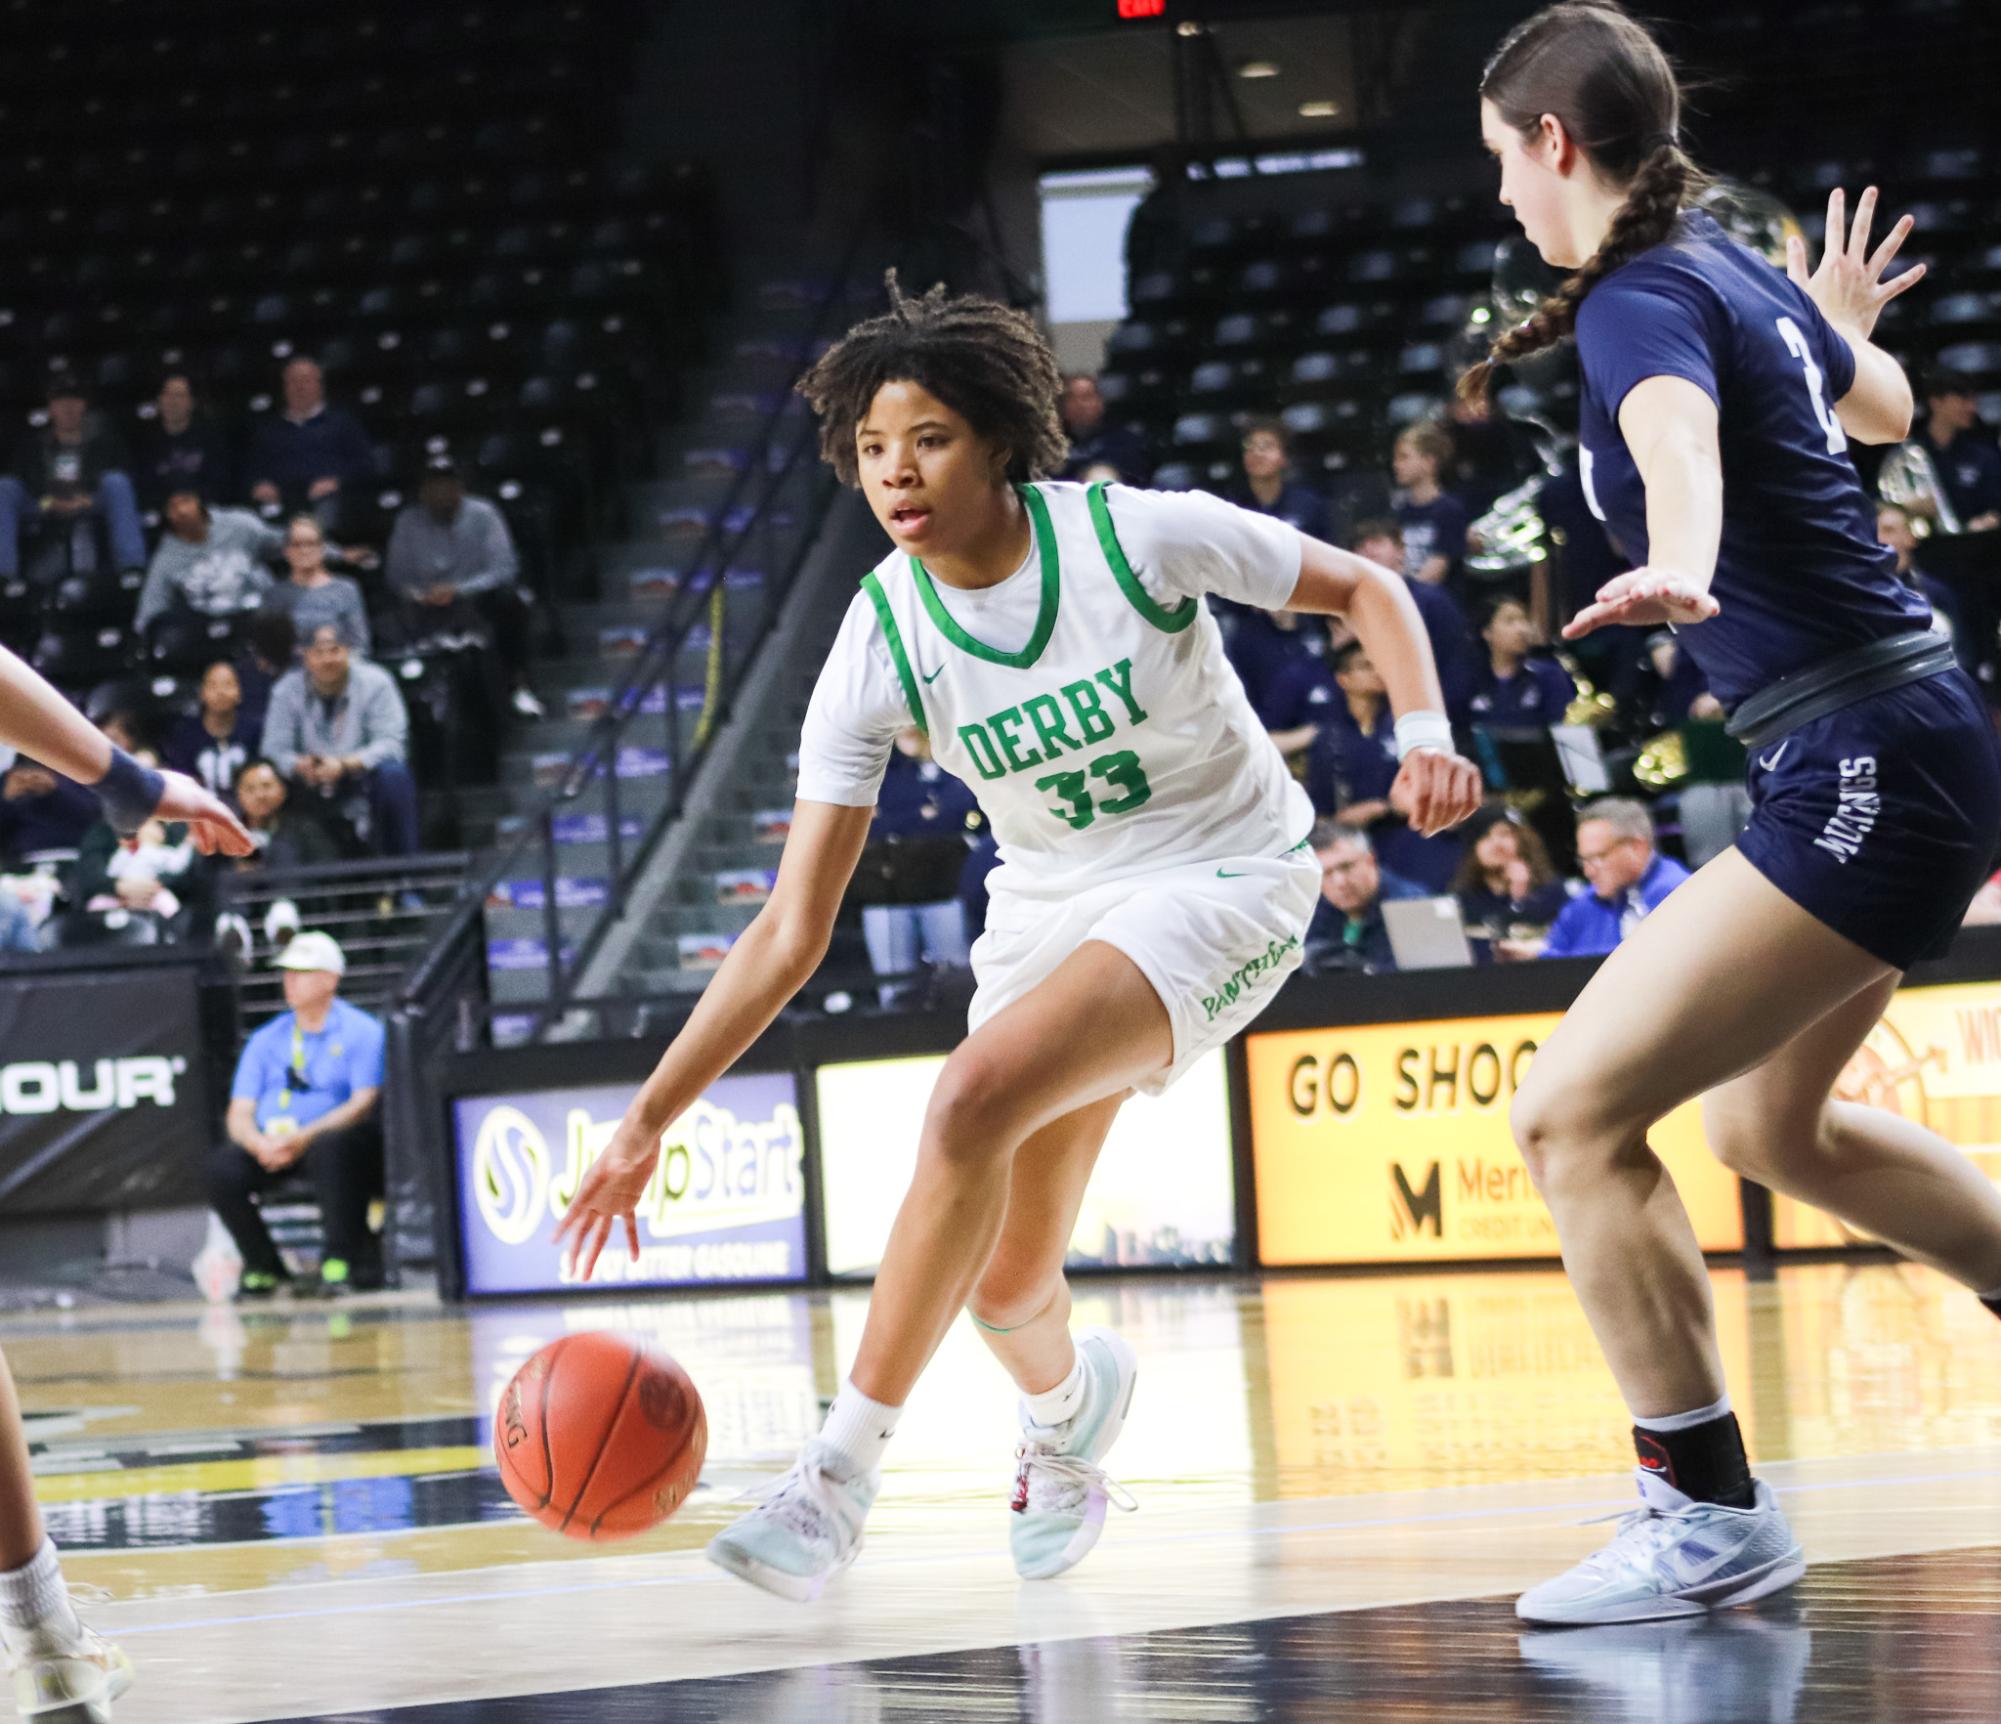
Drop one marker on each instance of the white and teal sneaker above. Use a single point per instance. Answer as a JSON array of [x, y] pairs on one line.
[[807, 1529], [1060, 1491], [1672, 1557], [66, 1678]]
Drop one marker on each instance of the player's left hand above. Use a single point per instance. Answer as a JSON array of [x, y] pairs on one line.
[[214, 828], [1434, 790], [1643, 598], [1848, 286]]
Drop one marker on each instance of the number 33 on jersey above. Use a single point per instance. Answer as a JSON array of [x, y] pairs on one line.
[[1116, 740]]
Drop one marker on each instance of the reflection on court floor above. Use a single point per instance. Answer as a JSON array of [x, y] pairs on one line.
[[296, 1512]]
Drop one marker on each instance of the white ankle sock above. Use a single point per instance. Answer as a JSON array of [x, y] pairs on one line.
[[1685, 1421], [34, 1595], [858, 1429], [1058, 1405]]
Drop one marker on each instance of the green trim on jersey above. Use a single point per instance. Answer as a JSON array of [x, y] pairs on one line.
[[878, 598], [1045, 622], [1168, 622]]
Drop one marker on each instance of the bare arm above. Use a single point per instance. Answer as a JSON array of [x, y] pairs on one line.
[[353, 1111], [1435, 788], [1293, 740], [1670, 430], [772, 960], [241, 1124]]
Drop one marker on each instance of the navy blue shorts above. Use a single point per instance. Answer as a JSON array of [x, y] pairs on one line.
[[1883, 819]]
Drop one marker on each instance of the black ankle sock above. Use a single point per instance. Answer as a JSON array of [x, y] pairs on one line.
[[1705, 1461]]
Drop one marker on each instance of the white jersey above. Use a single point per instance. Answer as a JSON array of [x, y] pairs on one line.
[[1109, 737]]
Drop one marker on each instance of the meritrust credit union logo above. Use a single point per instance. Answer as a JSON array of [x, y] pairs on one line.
[[715, 1171], [1412, 1212]]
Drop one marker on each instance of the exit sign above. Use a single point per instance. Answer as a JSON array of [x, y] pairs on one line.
[[1142, 8]]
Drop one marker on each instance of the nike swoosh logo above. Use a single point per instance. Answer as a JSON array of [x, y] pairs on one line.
[[1226, 874], [934, 675], [1767, 761]]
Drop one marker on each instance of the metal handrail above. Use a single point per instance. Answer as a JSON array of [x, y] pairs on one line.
[[653, 669]]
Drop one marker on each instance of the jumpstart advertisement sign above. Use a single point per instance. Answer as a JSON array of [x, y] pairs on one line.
[[727, 1201], [1390, 1143]]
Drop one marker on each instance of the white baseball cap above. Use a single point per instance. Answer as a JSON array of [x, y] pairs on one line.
[[313, 950]]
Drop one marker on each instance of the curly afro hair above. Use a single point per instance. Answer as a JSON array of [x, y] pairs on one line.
[[986, 361]]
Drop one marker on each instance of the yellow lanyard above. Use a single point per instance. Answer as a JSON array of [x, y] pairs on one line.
[[298, 1065]]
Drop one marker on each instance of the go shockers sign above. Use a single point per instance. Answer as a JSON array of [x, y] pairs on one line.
[[103, 1098], [1387, 1143]]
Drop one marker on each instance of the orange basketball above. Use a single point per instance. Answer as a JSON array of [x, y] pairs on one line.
[[598, 1438]]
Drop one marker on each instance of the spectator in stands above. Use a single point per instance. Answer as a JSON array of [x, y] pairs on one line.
[[210, 564], [1281, 659], [1674, 691], [18, 933], [1484, 458], [925, 811], [1968, 463], [211, 745], [306, 1089], [1513, 687], [1627, 876], [285, 836], [451, 561], [315, 597], [73, 468], [1506, 881], [1433, 521], [180, 448], [1353, 762], [1347, 931], [154, 887], [1452, 648], [1895, 533], [1093, 438], [337, 727], [270, 648], [303, 457], [1269, 486], [41, 810]]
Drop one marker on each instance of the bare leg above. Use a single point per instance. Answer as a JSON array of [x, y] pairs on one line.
[[20, 1516], [1021, 1304], [1717, 980], [1089, 1033], [1888, 1176]]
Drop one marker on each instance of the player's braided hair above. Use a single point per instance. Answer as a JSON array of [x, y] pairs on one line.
[[984, 360], [1599, 72]]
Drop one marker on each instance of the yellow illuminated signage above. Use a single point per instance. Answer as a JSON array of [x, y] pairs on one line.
[[1385, 1143]]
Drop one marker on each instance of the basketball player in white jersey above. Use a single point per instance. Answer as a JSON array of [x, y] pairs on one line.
[[1154, 887]]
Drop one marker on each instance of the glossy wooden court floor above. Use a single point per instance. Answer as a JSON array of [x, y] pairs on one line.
[[1342, 1482]]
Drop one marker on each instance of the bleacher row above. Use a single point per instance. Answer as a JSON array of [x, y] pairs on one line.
[[424, 201]]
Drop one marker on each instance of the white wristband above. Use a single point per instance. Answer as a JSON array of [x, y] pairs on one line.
[[1423, 730]]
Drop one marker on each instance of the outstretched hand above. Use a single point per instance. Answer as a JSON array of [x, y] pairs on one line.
[[211, 824], [609, 1195], [1643, 598], [1848, 287]]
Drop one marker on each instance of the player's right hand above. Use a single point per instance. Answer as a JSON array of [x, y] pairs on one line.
[[210, 822], [1848, 287], [609, 1194], [1434, 790]]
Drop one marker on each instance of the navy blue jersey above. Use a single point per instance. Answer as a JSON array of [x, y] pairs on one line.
[[1799, 575]]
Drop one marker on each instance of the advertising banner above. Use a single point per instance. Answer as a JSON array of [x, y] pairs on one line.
[[103, 1093], [1389, 1143], [1163, 1192], [726, 1203], [1933, 1058]]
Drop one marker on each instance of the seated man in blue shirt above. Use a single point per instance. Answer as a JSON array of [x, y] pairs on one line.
[[1628, 879], [1512, 689], [1347, 930], [306, 1087]]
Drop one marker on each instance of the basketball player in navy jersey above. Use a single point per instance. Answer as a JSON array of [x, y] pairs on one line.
[[1719, 399]]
